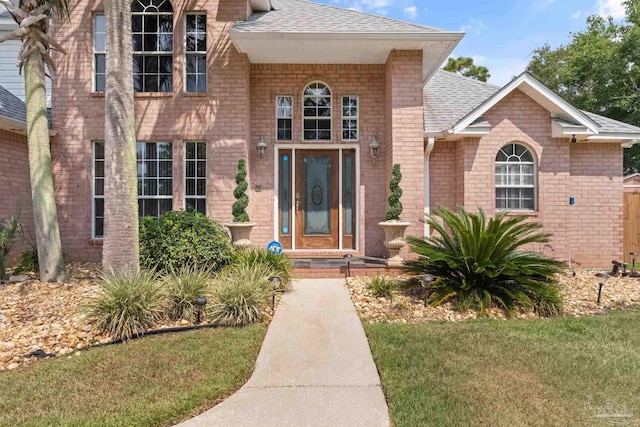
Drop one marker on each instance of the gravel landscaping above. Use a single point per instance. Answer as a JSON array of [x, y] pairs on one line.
[[580, 295], [48, 318]]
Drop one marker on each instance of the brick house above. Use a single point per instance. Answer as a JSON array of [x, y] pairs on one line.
[[338, 97]]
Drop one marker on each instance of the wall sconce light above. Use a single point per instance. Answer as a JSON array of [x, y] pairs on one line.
[[573, 139], [262, 148], [374, 148]]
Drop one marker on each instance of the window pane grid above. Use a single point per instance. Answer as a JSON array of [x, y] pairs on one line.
[[317, 113], [99, 49], [350, 118], [515, 178], [98, 190], [152, 38], [196, 52], [155, 178], [284, 118], [196, 176]]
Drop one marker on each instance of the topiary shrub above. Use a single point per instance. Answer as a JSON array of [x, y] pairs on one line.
[[239, 209], [479, 262], [395, 206], [183, 238]]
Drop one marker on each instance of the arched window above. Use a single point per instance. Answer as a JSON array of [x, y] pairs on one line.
[[515, 178], [317, 112], [152, 28]]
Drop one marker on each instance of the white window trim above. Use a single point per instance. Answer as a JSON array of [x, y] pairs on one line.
[[278, 118], [94, 87], [303, 118], [186, 53], [535, 179], [356, 118], [184, 175]]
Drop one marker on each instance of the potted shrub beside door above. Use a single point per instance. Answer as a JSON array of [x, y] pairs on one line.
[[241, 226], [393, 227]]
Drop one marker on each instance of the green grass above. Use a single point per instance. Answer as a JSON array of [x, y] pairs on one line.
[[509, 373], [154, 381]]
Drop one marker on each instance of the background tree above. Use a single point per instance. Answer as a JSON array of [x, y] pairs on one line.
[[121, 248], [467, 68], [599, 71], [33, 18]]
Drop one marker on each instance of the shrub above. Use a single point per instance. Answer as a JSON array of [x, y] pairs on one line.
[[239, 208], [382, 287], [9, 229], [182, 286], [28, 261], [395, 206], [129, 304], [278, 265], [478, 261], [183, 238], [239, 293]]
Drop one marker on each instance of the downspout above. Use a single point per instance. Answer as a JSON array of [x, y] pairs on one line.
[[427, 204]]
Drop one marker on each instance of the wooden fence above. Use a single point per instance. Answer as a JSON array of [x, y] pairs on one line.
[[631, 218]]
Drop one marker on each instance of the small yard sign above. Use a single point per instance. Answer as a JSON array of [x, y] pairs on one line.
[[275, 248]]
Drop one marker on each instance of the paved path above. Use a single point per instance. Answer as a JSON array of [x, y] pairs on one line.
[[314, 369]]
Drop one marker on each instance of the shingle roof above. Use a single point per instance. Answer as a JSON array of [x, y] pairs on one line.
[[448, 97], [11, 107], [308, 17], [608, 125]]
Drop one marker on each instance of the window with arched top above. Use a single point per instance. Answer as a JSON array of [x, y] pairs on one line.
[[152, 32], [515, 178], [317, 112]]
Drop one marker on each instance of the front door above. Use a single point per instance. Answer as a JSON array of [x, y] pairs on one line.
[[317, 199]]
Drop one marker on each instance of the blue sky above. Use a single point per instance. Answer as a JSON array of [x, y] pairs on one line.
[[500, 36]]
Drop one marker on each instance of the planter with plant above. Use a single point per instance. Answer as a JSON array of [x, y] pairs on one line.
[[241, 225], [393, 227]]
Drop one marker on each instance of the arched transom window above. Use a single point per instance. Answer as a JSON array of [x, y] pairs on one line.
[[317, 112], [152, 28], [515, 178]]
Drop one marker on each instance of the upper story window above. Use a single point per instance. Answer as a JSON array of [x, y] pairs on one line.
[[515, 178], [284, 117], [152, 30], [99, 52], [350, 118], [317, 112], [196, 52]]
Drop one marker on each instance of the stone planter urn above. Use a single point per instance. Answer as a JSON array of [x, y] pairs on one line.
[[394, 240], [240, 233]]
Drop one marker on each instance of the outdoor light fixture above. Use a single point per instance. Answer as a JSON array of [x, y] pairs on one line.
[[275, 281], [426, 281], [347, 259], [262, 148], [374, 148], [573, 139], [200, 303], [602, 279]]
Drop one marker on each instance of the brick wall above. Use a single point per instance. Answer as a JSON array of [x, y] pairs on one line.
[[15, 190]]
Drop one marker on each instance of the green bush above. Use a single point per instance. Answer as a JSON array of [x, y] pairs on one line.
[[183, 238], [129, 303], [28, 262], [478, 261], [239, 293], [382, 287], [395, 206], [9, 229], [278, 265], [182, 286], [239, 208]]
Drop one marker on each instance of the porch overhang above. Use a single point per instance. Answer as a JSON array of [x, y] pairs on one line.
[[343, 48]]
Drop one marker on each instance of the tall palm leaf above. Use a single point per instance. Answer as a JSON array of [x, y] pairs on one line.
[[33, 18], [480, 261], [121, 248]]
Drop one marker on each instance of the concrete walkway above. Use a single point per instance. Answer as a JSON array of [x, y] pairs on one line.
[[314, 369]]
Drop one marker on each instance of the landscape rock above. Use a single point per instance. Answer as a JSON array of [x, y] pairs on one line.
[[19, 279]]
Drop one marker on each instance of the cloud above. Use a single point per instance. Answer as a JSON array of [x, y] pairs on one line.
[[411, 12], [614, 8], [474, 25], [377, 6], [579, 15]]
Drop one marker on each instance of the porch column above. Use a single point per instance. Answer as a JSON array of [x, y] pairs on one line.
[[404, 134]]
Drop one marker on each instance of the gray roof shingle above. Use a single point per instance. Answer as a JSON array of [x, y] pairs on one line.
[[448, 97], [302, 16], [608, 125], [12, 107]]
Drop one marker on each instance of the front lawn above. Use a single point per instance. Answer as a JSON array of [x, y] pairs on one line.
[[557, 372], [153, 381]]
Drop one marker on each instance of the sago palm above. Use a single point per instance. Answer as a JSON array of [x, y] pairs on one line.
[[33, 19], [481, 262]]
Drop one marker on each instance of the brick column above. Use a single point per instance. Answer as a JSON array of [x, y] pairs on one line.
[[404, 136]]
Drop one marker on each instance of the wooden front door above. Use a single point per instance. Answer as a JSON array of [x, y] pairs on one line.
[[316, 199]]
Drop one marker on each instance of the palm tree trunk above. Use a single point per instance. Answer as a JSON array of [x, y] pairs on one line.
[[121, 246], [45, 213]]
